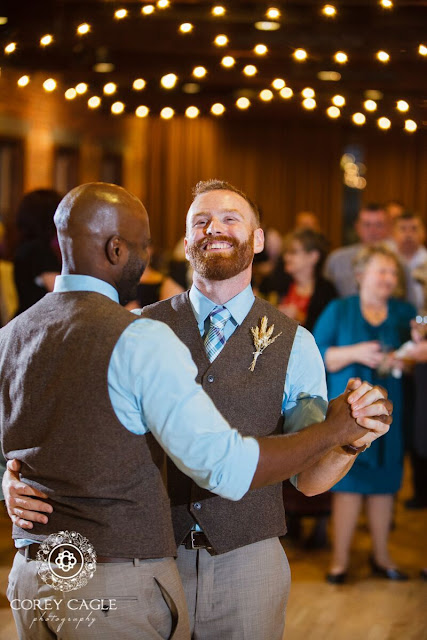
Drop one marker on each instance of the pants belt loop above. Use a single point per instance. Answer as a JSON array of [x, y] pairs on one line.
[[27, 553], [136, 562]]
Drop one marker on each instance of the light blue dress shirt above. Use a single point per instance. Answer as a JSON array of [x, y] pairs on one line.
[[305, 393], [148, 395]]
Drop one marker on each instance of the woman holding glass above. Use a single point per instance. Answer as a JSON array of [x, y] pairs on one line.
[[356, 336]]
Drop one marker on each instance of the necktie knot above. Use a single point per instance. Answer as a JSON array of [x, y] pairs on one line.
[[215, 339], [219, 317]]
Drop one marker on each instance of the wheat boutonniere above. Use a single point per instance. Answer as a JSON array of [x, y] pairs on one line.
[[262, 339]]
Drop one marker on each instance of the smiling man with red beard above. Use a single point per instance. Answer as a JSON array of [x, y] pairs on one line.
[[235, 573]]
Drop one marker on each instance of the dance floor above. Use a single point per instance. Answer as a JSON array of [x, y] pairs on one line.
[[364, 609]]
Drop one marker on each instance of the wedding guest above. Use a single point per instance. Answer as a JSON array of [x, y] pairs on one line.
[[418, 353], [302, 294], [409, 236], [371, 226], [37, 259], [307, 220], [354, 335]]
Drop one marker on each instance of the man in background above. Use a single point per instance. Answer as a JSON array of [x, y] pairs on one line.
[[372, 226]]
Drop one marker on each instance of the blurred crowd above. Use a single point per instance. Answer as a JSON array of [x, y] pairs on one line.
[[366, 305]]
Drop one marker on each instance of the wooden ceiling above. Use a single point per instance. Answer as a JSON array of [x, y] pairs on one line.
[[150, 46]]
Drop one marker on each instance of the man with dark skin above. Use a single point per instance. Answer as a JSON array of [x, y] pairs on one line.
[[279, 456]]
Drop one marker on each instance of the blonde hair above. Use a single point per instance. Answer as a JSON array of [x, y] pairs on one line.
[[365, 255]]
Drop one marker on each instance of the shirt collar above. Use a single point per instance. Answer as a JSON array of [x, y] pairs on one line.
[[85, 283], [239, 306]]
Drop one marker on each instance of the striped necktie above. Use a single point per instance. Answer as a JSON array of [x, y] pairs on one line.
[[215, 339]]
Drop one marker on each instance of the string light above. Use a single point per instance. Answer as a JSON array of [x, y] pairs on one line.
[[273, 13], [218, 10], [329, 10], [250, 70], [402, 105], [10, 48], [383, 56], [110, 88], [228, 61], [192, 112], [221, 40], [139, 84], [286, 93], [410, 125], [422, 50], [358, 118], [387, 4], [243, 103], [329, 76], [191, 87], [142, 111], [266, 95], [147, 9], [384, 123], [309, 103], [341, 57], [94, 102], [83, 28], [167, 113], [169, 81], [264, 25], [300, 54], [217, 109], [199, 72], [49, 85], [260, 49], [23, 81], [46, 40], [333, 112], [163, 4], [70, 94], [81, 88], [308, 92], [278, 83], [370, 105], [119, 15], [338, 101], [117, 108], [186, 27]]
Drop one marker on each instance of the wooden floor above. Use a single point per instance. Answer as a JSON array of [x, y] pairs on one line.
[[364, 609]]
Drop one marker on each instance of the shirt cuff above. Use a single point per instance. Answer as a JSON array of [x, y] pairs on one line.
[[237, 481]]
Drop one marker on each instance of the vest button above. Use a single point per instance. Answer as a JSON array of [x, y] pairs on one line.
[[210, 378], [197, 506]]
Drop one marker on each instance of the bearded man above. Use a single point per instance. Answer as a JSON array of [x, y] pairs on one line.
[[234, 570]]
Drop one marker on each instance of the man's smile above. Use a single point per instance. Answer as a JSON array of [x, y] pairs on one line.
[[218, 245]]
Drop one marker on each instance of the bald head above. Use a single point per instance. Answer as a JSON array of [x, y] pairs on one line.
[[103, 231]]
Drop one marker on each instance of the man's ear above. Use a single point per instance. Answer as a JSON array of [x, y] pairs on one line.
[[185, 247], [258, 240], [115, 249]]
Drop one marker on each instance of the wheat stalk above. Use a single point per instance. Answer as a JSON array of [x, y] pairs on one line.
[[262, 339]]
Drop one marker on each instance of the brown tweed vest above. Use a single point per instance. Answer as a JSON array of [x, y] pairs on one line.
[[251, 402], [56, 417]]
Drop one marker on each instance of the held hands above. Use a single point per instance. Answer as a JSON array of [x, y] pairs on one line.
[[371, 409], [22, 504]]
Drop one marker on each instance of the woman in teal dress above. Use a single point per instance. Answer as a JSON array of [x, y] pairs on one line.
[[356, 337]]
